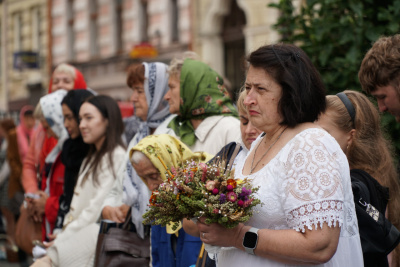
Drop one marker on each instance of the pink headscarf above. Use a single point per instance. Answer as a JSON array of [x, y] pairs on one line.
[[24, 135]]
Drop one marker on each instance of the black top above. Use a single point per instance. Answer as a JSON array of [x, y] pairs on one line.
[[378, 236]]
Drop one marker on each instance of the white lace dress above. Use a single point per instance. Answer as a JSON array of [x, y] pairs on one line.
[[305, 184]]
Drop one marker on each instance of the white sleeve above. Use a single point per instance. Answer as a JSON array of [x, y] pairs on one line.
[[313, 184], [92, 211]]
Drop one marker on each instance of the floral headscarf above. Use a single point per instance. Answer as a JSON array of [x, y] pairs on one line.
[[164, 151], [203, 95], [155, 87], [52, 112]]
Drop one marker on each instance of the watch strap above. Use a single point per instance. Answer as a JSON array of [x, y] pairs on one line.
[[251, 250]]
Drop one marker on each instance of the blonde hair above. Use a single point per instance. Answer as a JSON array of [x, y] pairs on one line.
[[38, 112], [175, 67], [65, 68], [240, 102], [370, 150]]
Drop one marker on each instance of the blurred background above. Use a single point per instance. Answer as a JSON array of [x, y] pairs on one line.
[[102, 37]]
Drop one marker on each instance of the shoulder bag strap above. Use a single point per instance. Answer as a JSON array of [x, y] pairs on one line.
[[127, 219], [233, 156]]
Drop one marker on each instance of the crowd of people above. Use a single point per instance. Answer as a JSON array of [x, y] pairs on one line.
[[318, 160]]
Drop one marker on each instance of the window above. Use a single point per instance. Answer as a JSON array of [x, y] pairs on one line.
[[143, 21], [35, 15], [174, 12], [17, 32], [70, 30], [118, 22], [93, 29]]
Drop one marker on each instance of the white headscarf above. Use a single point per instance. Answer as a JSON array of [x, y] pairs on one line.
[[52, 112], [136, 193]]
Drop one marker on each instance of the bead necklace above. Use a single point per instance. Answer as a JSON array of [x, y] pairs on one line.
[[265, 153]]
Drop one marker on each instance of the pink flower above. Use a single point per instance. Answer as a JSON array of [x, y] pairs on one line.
[[173, 170], [240, 203], [229, 187], [247, 203], [215, 191], [231, 196], [210, 185], [203, 167], [208, 99]]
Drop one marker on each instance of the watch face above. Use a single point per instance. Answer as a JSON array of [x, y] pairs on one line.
[[250, 240]]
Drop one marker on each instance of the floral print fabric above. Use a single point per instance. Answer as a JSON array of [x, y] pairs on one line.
[[203, 95]]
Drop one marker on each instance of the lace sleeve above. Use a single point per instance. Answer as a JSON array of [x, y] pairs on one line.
[[313, 184]]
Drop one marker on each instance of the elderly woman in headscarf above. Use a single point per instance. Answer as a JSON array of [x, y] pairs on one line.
[[65, 77], [53, 176], [151, 158], [149, 83], [206, 118]]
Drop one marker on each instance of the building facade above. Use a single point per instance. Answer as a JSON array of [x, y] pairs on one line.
[[103, 37], [24, 52], [99, 36]]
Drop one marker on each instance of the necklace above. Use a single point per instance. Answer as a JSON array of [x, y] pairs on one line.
[[265, 153]]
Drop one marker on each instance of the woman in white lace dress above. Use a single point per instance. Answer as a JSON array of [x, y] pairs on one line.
[[308, 215]]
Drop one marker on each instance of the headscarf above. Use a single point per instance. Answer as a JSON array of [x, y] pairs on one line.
[[23, 133], [72, 154], [79, 82], [164, 151], [155, 87], [203, 95], [52, 112]]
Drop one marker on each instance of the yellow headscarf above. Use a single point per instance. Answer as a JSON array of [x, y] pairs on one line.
[[165, 151]]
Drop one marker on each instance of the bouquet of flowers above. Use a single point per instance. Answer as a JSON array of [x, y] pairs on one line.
[[198, 189]]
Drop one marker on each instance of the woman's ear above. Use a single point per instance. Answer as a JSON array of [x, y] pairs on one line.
[[350, 137]]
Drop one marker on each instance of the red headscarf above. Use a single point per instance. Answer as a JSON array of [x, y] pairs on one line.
[[79, 82]]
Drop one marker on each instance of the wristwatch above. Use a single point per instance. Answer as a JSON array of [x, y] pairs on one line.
[[250, 240]]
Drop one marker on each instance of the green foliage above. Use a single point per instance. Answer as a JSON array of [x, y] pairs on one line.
[[336, 34]]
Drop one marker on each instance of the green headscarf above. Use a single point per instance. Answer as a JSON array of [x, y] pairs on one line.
[[203, 95]]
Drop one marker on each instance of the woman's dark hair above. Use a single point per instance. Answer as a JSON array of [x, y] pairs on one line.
[[74, 99], [303, 92], [108, 107]]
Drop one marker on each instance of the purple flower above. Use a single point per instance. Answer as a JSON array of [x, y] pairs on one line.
[[245, 191], [222, 198]]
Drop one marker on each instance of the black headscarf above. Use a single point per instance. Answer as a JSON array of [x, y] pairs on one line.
[[72, 154]]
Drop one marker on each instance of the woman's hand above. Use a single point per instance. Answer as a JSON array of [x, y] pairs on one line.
[[39, 205], [190, 227], [52, 236], [217, 235], [48, 244], [116, 214]]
